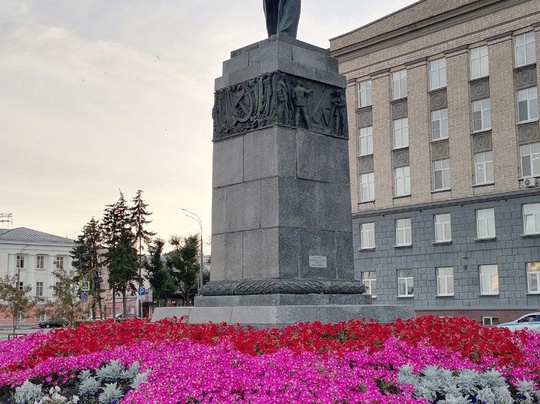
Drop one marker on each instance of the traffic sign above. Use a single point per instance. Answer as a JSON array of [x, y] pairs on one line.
[[85, 286], [84, 295], [142, 291]]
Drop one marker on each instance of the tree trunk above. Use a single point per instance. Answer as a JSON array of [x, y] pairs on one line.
[[114, 303], [124, 302]]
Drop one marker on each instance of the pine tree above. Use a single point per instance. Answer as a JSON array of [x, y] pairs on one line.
[[139, 221], [86, 259], [183, 261], [161, 280], [121, 257]]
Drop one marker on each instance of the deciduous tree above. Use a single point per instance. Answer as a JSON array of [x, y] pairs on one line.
[[15, 300], [183, 261]]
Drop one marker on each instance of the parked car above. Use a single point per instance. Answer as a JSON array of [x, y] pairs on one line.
[[121, 316], [53, 323], [529, 321]]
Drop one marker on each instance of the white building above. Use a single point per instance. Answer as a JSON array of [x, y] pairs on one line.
[[32, 256]]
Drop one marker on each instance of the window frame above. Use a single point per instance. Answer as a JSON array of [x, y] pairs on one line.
[[535, 215], [402, 181], [487, 218], [19, 261], [440, 222], [437, 74], [490, 277], [40, 287], [365, 92], [59, 262], [399, 84], [368, 185], [446, 280], [405, 277], [481, 113], [442, 124], [485, 166], [367, 236], [444, 174], [400, 131], [536, 273], [40, 262], [530, 99], [530, 157], [479, 56], [365, 135], [403, 232], [529, 55], [369, 279]]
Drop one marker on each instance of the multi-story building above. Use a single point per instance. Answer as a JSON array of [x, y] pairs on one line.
[[445, 156], [31, 257]]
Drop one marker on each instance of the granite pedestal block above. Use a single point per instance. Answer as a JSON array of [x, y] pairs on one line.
[[282, 249]]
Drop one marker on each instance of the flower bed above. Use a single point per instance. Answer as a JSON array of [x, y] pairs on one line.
[[422, 360]]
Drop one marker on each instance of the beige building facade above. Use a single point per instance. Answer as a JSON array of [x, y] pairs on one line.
[[445, 156]]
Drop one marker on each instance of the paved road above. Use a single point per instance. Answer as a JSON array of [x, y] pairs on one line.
[[4, 332]]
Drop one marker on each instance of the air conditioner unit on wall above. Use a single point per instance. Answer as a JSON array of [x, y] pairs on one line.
[[529, 182]]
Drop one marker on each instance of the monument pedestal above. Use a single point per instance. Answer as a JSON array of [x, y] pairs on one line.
[[282, 249]]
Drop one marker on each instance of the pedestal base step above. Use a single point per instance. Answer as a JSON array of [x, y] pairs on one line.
[[281, 316]]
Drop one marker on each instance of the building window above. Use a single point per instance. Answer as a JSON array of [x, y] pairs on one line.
[[367, 187], [531, 218], [367, 235], [365, 141], [445, 281], [402, 185], [527, 104], [530, 160], [481, 115], [489, 280], [40, 262], [443, 228], [42, 317], [525, 49], [533, 277], [441, 174], [364, 94], [490, 320], [369, 280], [399, 84], [485, 223], [437, 74], [479, 62], [405, 283], [21, 317], [21, 285], [403, 232], [483, 168], [439, 124], [401, 133], [20, 261], [59, 262], [39, 289]]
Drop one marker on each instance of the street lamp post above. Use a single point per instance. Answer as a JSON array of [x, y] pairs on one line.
[[198, 220]]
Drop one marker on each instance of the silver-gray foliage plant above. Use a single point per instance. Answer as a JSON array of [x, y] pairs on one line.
[[461, 387], [89, 386], [111, 393], [28, 392]]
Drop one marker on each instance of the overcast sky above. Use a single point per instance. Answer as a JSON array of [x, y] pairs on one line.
[[98, 96]]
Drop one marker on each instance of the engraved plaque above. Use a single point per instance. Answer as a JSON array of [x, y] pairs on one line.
[[318, 261]]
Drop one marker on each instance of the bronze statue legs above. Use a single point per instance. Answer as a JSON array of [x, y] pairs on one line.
[[282, 17]]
